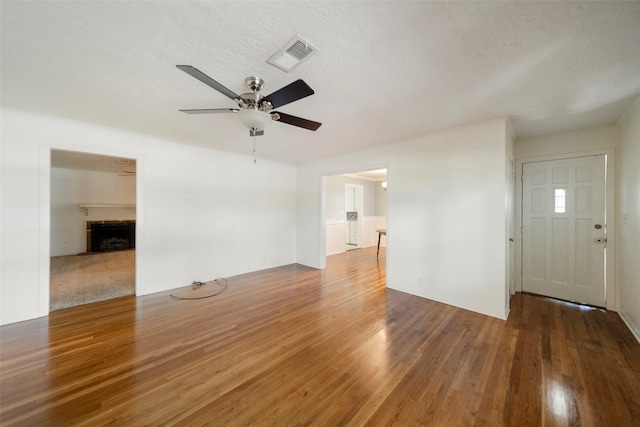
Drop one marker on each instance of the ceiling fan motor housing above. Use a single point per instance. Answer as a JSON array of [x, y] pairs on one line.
[[255, 109], [254, 83], [253, 101]]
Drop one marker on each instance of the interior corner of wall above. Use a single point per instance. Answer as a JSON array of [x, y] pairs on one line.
[[635, 329]]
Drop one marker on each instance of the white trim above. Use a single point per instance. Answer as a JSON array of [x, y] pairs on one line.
[[611, 286], [44, 251], [333, 221], [634, 332], [86, 206], [322, 229], [337, 226]]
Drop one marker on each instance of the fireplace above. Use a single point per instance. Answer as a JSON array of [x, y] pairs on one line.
[[108, 236]]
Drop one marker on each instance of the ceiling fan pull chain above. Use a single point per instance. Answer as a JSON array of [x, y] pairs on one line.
[[254, 149]]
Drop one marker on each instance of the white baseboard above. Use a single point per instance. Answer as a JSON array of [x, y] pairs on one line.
[[635, 332], [336, 229]]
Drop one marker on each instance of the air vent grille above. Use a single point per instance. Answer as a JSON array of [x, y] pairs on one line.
[[292, 53], [299, 50]]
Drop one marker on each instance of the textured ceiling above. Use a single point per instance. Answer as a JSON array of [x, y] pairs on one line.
[[384, 71]]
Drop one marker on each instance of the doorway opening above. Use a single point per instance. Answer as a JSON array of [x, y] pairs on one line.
[[92, 228], [355, 208]]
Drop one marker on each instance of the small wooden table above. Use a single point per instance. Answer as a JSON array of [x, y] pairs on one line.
[[381, 232]]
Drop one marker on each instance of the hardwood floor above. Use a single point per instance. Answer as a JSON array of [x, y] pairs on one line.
[[297, 346]]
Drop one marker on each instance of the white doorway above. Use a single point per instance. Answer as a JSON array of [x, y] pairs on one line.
[[363, 195], [92, 223], [564, 230], [353, 202]]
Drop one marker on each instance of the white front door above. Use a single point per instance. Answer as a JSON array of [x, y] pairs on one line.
[[564, 230]]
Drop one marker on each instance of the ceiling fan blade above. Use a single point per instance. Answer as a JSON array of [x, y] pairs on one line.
[[194, 72], [210, 110], [297, 121], [292, 92]]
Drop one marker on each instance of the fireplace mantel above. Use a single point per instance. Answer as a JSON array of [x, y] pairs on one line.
[[87, 206]]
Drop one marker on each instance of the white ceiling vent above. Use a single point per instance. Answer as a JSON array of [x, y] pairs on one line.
[[293, 53]]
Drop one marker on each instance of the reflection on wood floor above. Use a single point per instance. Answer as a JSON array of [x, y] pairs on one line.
[[298, 346]]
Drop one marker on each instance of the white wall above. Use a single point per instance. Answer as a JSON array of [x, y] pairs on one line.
[[201, 213], [586, 140], [335, 242], [71, 187], [381, 200], [336, 229], [446, 210], [598, 140], [628, 266], [374, 196]]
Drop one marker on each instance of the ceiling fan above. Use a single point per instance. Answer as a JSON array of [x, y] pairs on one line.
[[255, 109]]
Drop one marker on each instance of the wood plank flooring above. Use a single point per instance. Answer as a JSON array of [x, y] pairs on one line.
[[297, 346]]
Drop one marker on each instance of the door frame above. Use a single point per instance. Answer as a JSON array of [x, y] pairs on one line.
[[611, 302], [322, 213], [46, 146]]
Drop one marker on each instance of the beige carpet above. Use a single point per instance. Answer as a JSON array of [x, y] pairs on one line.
[[86, 278]]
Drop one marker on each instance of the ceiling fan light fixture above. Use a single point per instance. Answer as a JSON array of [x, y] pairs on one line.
[[254, 119]]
